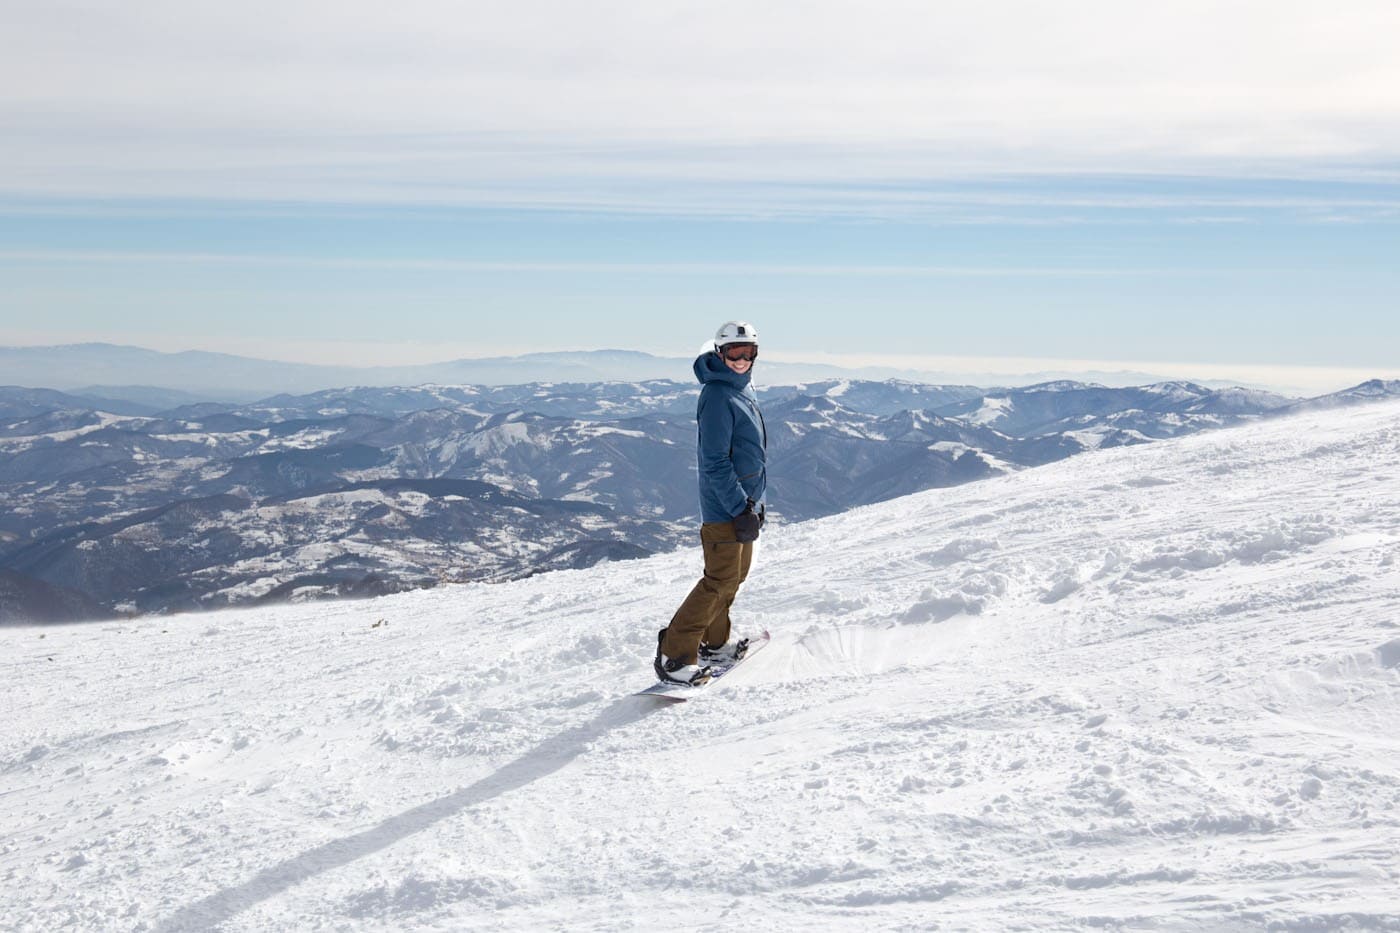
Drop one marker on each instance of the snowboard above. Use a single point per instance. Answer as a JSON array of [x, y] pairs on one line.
[[682, 692]]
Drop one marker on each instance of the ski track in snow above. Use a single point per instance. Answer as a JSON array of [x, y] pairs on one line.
[[1146, 688]]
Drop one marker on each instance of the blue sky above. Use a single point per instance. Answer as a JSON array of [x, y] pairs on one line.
[[1209, 189]]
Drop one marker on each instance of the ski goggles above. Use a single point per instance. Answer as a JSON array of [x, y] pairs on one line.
[[740, 351]]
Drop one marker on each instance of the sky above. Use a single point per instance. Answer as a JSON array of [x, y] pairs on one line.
[[1196, 188]]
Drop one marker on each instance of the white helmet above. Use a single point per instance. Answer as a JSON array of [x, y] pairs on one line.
[[735, 332]]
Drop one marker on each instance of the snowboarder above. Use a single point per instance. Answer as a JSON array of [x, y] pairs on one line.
[[732, 456]]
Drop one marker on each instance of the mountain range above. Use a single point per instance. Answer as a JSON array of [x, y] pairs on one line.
[[363, 491]]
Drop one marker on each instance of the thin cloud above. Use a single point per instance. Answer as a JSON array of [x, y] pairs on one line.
[[615, 105], [1013, 201], [49, 257]]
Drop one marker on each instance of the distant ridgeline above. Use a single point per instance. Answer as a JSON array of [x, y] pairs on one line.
[[114, 507]]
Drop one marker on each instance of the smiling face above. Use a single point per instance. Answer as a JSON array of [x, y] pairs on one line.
[[739, 356]]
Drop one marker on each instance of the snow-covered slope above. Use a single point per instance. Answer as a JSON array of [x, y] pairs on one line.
[[1150, 687]]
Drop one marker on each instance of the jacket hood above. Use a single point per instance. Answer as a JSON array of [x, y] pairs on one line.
[[710, 368]]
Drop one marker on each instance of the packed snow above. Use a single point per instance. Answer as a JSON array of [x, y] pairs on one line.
[[1151, 687]]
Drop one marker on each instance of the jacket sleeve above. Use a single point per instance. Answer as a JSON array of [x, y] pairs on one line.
[[716, 463]]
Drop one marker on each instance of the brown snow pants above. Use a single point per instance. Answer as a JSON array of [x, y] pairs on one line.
[[704, 616]]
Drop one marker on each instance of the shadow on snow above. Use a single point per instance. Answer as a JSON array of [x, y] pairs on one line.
[[540, 762]]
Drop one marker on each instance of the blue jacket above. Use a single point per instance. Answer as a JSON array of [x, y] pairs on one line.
[[732, 452]]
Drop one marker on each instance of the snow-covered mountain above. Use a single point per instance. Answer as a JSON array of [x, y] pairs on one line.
[[1151, 687], [360, 491], [1370, 391], [1163, 410]]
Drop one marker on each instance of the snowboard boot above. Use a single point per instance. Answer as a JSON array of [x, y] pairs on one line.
[[730, 653], [672, 671]]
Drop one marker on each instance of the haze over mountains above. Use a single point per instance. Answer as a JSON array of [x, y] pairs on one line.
[[363, 491], [156, 381]]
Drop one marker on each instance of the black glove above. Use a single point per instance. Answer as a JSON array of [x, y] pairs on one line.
[[746, 524]]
